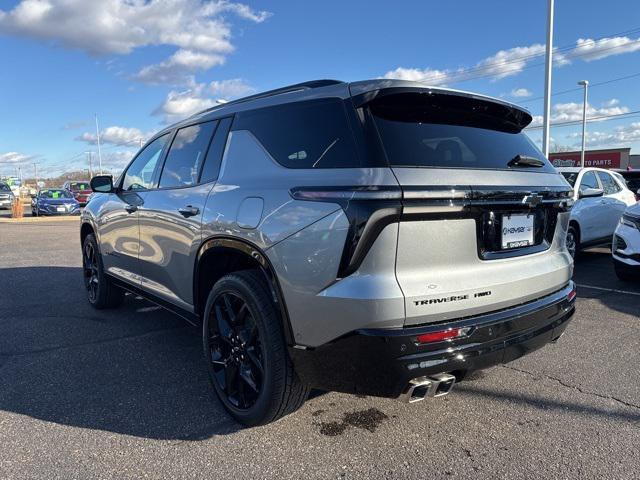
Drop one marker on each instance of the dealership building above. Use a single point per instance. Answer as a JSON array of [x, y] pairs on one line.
[[608, 158]]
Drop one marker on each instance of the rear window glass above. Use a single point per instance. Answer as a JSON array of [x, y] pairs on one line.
[[79, 186], [311, 134], [423, 130], [570, 177]]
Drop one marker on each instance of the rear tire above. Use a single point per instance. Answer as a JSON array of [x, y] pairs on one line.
[[624, 272], [101, 292], [246, 353]]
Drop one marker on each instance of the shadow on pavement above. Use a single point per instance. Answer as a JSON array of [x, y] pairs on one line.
[[594, 268], [136, 370]]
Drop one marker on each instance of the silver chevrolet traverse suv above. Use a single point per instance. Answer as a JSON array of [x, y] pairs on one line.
[[378, 237]]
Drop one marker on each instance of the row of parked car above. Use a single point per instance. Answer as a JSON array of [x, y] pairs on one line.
[[61, 201], [606, 211]]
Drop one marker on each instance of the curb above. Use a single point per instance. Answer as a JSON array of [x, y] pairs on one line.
[[63, 218]]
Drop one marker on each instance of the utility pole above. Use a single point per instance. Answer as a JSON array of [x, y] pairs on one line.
[[585, 84], [547, 80], [99, 151], [90, 169], [141, 142], [35, 172]]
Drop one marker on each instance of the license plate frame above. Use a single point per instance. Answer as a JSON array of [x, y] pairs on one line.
[[517, 230], [61, 209]]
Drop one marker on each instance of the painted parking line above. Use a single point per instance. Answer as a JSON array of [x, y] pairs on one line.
[[612, 290]]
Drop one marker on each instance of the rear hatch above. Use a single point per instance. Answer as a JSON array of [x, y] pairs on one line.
[[482, 227]]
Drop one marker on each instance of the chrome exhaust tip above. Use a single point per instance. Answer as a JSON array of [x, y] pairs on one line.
[[427, 387]]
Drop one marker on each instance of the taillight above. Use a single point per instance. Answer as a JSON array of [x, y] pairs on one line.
[[572, 294], [442, 335]]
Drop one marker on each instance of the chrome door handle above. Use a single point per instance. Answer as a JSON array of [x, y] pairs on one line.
[[189, 211], [131, 208]]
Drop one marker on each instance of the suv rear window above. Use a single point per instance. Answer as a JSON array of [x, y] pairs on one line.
[[449, 131], [310, 134]]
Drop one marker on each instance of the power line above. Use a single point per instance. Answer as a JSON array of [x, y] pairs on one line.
[[568, 123], [519, 59], [591, 85]]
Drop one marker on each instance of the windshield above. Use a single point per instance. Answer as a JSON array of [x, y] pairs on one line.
[[422, 130], [55, 194], [79, 186], [4, 187], [570, 177]]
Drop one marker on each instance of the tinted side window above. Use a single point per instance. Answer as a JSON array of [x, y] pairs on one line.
[[609, 185], [589, 181], [211, 167], [186, 155], [311, 134], [139, 175]]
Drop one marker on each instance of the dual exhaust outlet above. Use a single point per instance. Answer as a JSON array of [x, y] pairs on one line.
[[428, 387]]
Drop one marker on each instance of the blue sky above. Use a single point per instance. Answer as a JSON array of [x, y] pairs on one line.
[[139, 64]]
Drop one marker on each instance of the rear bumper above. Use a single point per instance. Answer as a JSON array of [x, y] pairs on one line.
[[381, 362]]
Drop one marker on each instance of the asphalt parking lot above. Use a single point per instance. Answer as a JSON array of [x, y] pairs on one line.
[[124, 393]]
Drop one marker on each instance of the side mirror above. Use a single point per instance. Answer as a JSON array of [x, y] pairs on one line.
[[590, 193], [102, 184]]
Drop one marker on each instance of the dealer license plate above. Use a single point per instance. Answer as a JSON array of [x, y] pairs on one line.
[[517, 231]]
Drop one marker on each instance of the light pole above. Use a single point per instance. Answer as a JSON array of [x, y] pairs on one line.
[[585, 84], [547, 80], [99, 150]]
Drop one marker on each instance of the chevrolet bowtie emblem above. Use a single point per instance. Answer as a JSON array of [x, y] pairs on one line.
[[532, 200]]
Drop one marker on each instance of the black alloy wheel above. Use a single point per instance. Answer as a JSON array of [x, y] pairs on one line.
[[101, 291], [245, 350], [90, 270], [235, 350]]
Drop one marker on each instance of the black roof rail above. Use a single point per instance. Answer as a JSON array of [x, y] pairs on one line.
[[291, 88]]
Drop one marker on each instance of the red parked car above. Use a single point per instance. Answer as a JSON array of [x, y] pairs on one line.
[[80, 191]]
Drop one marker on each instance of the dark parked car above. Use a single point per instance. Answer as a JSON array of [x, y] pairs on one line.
[[57, 201], [80, 191], [6, 196]]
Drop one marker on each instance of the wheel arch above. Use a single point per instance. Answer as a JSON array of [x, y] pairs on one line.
[[221, 255], [85, 229]]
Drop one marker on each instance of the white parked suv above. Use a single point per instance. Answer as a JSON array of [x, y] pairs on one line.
[[626, 245], [601, 197]]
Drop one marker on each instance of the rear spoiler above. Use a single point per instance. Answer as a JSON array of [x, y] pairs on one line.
[[487, 111]]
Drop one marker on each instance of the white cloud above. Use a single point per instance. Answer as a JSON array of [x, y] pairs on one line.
[[570, 112], [520, 92], [623, 135], [197, 28], [504, 63], [179, 105], [179, 68], [588, 49], [14, 158], [121, 136]]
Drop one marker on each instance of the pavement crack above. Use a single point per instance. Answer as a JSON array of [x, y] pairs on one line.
[[573, 387]]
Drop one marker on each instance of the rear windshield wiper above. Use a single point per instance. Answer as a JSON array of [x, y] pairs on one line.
[[525, 161]]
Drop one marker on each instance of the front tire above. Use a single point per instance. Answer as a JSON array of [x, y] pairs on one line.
[[101, 292], [573, 241], [246, 353]]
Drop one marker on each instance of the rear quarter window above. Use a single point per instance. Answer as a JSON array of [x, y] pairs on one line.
[[313, 134]]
